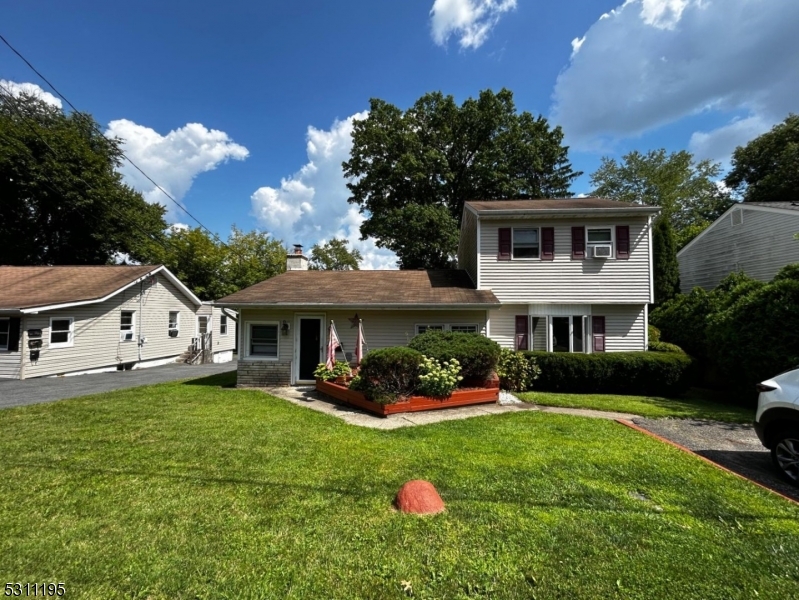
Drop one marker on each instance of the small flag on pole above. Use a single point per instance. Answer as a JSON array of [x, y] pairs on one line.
[[359, 344], [333, 344]]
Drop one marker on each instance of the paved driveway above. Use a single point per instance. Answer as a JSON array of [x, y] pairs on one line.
[[731, 445], [48, 389]]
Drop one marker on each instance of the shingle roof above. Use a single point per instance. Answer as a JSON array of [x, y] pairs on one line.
[[30, 287], [785, 205], [554, 204], [364, 288]]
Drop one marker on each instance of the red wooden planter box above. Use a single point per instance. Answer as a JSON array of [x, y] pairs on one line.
[[413, 404]]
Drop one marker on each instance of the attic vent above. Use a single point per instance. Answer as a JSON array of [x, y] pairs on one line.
[[737, 217]]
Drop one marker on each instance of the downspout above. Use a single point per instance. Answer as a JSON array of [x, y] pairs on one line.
[[23, 343], [141, 317]]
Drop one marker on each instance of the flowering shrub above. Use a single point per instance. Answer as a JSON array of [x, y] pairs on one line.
[[340, 369], [516, 371], [437, 379]]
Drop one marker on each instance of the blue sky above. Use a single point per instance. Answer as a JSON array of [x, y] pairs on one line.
[[243, 110]]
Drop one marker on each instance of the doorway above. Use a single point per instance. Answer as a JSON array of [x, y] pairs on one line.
[[310, 347]]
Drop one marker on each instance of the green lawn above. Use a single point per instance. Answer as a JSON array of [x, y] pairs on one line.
[[697, 404], [193, 491]]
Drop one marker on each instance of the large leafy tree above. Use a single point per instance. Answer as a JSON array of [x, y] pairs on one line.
[[767, 168], [686, 190], [411, 171], [334, 256], [665, 268], [62, 200]]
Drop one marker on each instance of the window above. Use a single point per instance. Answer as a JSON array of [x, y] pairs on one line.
[[737, 217], [599, 236], [263, 340], [174, 323], [5, 328], [223, 325], [423, 328], [460, 328], [61, 332], [525, 243], [127, 324], [202, 325], [463, 328]]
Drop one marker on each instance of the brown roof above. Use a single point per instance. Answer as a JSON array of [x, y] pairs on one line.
[[787, 205], [554, 204], [364, 288], [30, 287]]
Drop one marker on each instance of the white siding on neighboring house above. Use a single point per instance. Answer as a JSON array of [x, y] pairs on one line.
[[564, 280], [467, 247], [759, 242], [96, 331], [9, 365]]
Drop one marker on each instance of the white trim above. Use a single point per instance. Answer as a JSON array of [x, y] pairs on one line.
[[208, 325], [479, 244], [651, 273], [513, 244], [646, 327], [123, 333], [568, 212], [177, 323], [475, 325], [225, 317], [174, 280], [416, 327], [70, 336], [324, 326], [589, 254], [246, 346], [347, 307], [8, 334], [488, 324]]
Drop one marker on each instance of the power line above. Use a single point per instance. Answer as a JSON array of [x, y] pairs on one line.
[[94, 126]]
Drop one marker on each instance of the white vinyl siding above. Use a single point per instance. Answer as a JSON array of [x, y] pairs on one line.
[[759, 246], [564, 280], [467, 247]]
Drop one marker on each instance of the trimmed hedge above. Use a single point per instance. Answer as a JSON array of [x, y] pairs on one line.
[[389, 374], [665, 347], [477, 355], [636, 373]]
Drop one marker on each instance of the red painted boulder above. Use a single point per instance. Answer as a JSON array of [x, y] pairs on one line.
[[419, 497]]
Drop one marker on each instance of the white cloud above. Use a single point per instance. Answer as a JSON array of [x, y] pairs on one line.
[[173, 160], [718, 144], [652, 62], [15, 89], [471, 20], [311, 205]]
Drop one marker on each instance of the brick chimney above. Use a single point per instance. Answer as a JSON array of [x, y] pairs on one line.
[[296, 261]]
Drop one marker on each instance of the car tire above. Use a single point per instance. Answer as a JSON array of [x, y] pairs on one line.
[[785, 454]]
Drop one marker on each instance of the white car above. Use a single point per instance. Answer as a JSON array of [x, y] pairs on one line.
[[777, 422]]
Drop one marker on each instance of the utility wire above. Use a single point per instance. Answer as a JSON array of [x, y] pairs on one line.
[[94, 126], [10, 101]]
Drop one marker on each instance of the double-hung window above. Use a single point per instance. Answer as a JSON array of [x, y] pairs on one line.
[[599, 241], [127, 325], [223, 325], [5, 329], [61, 332], [264, 340], [174, 323], [526, 243]]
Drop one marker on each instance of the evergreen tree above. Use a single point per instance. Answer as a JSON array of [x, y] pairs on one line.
[[664, 255]]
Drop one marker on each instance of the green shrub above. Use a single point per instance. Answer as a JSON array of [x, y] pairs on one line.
[[476, 354], [390, 374], [654, 334], [340, 369], [683, 321], [639, 373], [788, 272], [516, 371], [665, 347], [438, 380]]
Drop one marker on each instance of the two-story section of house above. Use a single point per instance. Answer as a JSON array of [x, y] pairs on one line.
[[571, 275]]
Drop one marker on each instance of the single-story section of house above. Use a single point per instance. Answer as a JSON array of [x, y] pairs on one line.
[[65, 320], [284, 320]]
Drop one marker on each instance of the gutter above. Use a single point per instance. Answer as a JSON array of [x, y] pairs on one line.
[[568, 212], [298, 305]]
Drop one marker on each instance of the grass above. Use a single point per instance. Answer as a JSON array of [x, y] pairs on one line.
[[195, 491], [697, 404]]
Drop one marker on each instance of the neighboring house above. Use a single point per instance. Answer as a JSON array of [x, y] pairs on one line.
[[567, 275], [754, 237], [68, 320]]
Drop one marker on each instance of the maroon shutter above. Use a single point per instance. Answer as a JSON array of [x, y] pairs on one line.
[[13, 334], [504, 244], [598, 331], [522, 332], [547, 243], [623, 241], [578, 242]]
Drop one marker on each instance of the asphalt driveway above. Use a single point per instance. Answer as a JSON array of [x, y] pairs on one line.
[[48, 389], [731, 445]]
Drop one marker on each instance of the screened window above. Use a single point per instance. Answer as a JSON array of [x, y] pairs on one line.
[[223, 325], [60, 332], [263, 340], [5, 325], [464, 328], [126, 323], [423, 328], [525, 243], [174, 323]]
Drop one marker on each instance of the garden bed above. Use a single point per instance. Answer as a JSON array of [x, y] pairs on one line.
[[462, 397]]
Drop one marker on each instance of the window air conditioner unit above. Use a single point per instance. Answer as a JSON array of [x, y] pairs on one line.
[[173, 333], [602, 251], [127, 336]]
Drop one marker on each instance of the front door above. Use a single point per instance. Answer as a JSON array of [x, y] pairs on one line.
[[310, 347]]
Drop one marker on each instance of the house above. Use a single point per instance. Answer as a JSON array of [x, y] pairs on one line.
[[754, 237], [567, 275], [66, 320]]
